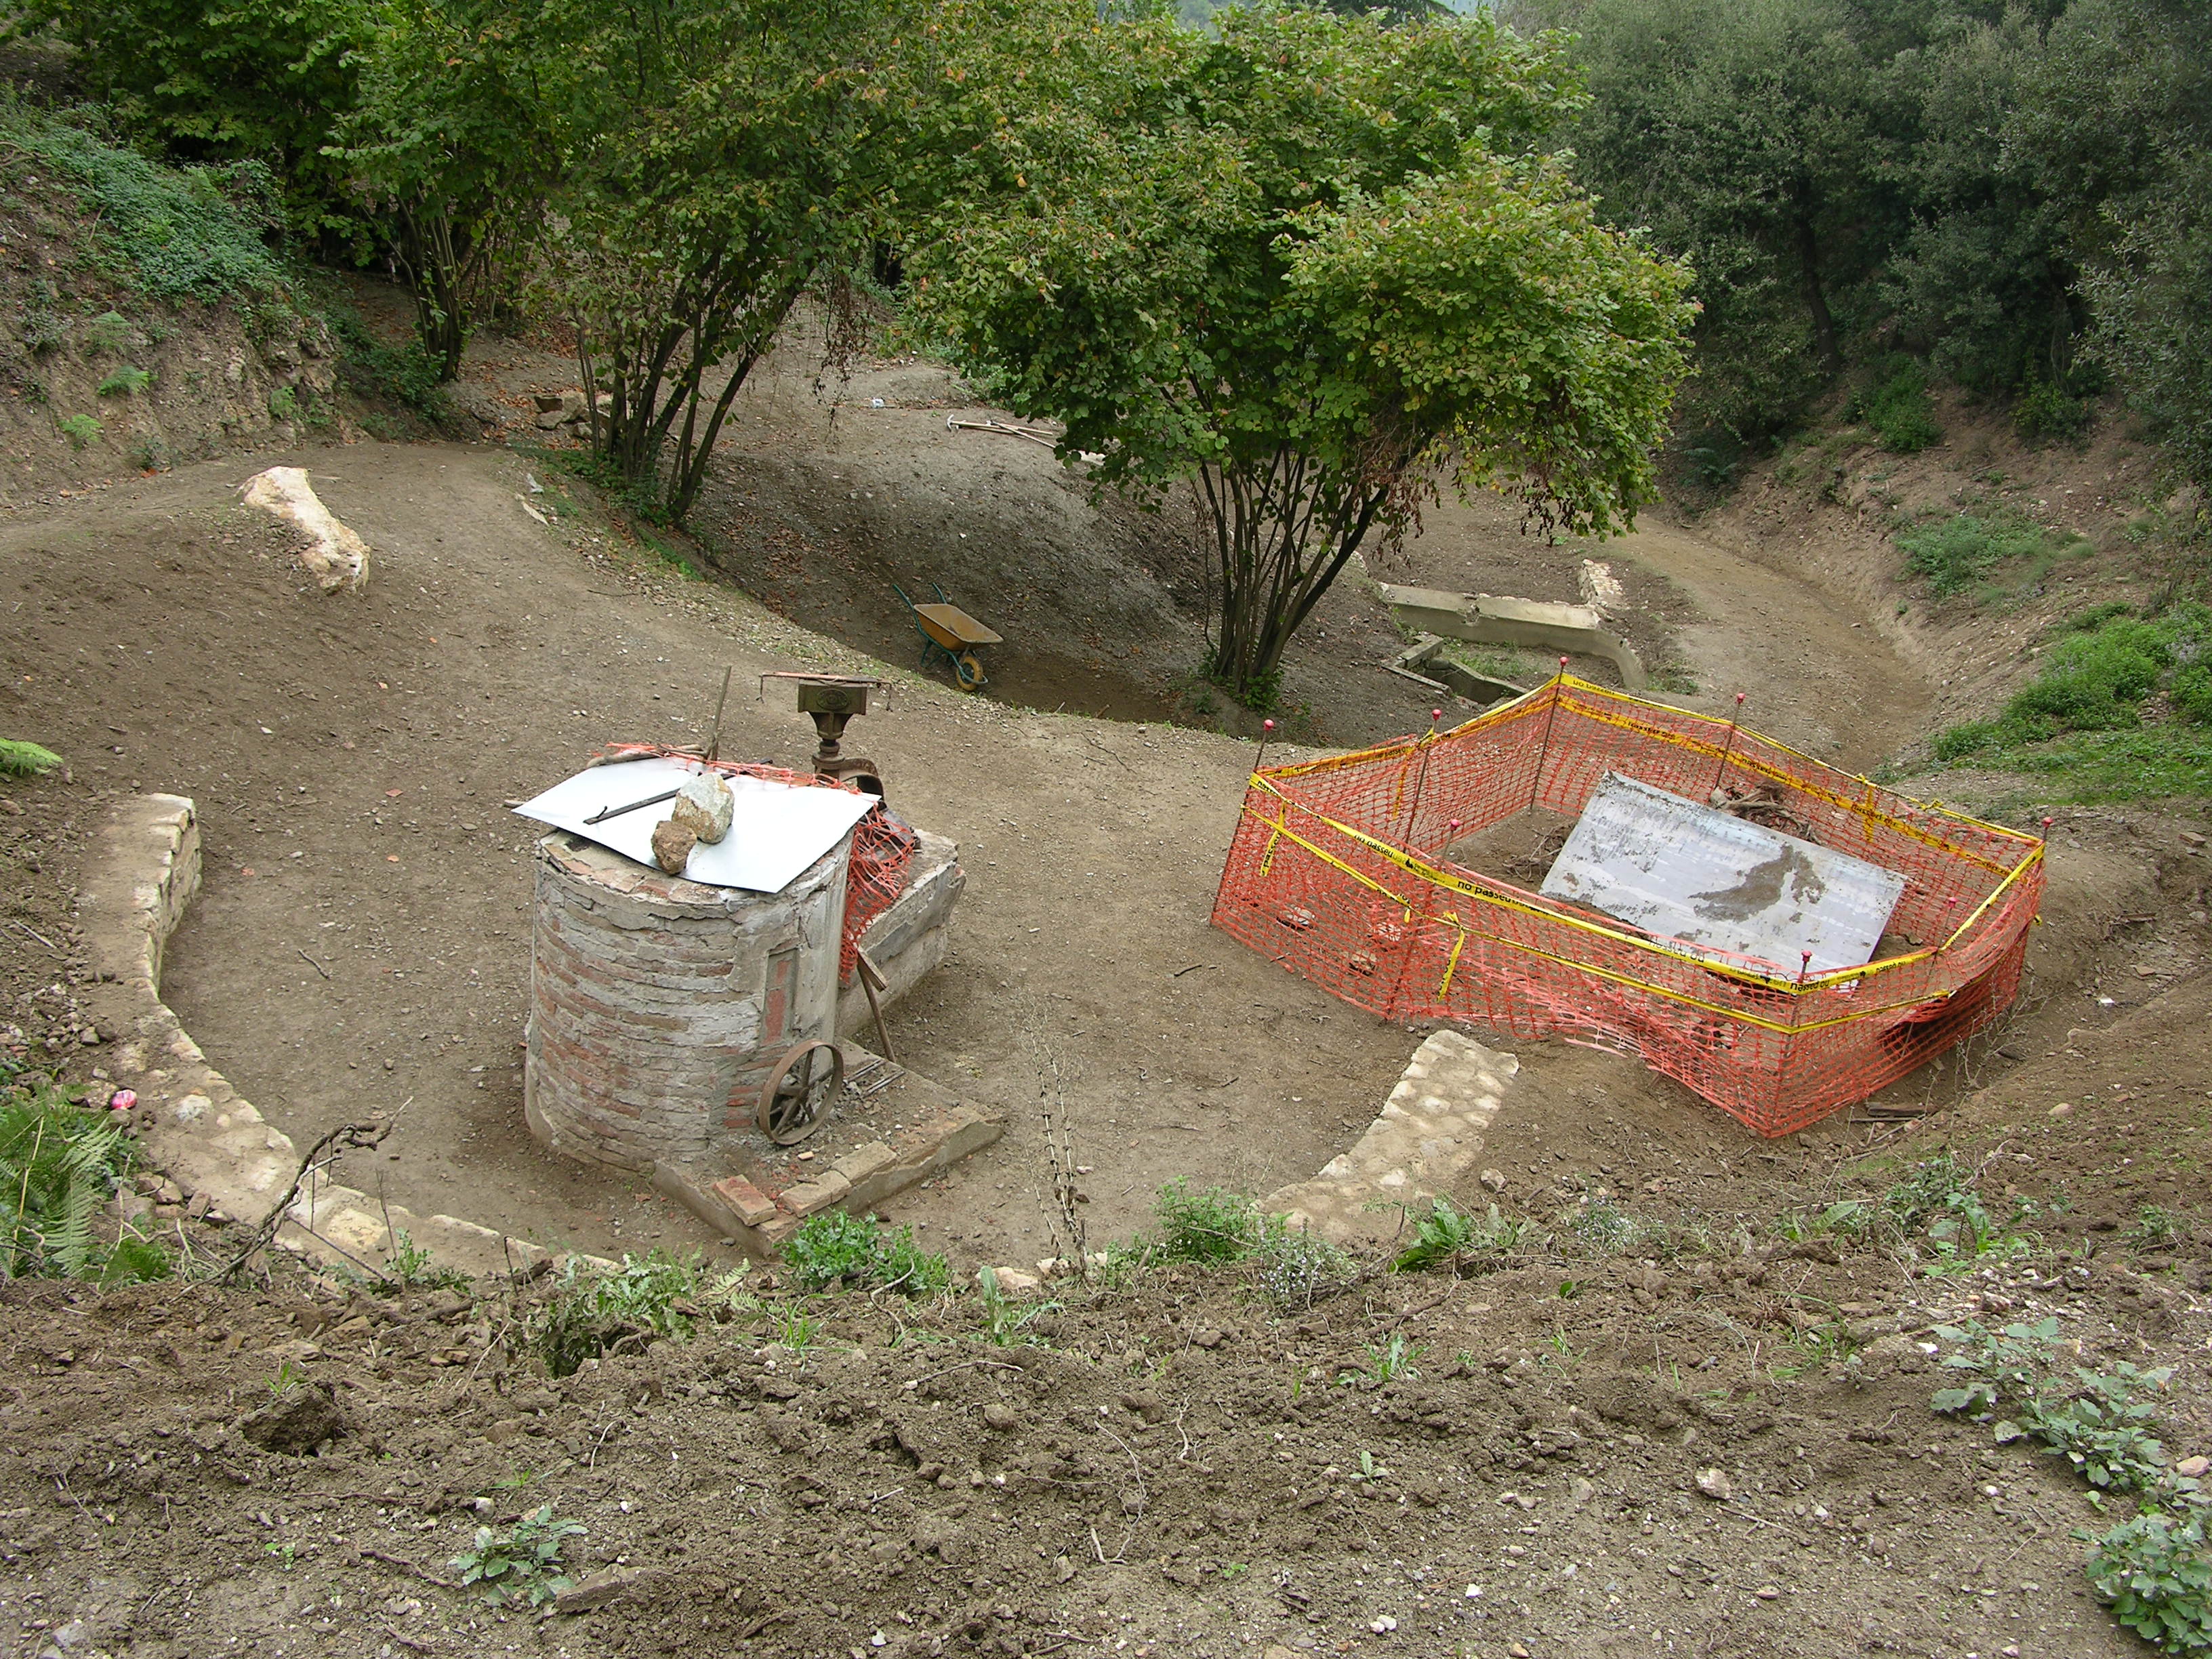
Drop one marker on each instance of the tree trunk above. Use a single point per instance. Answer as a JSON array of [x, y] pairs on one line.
[[1282, 531], [1816, 301]]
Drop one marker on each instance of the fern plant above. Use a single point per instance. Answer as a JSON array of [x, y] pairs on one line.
[[58, 1166], [21, 759]]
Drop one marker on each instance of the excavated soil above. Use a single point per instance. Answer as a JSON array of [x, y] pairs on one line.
[[1174, 1466]]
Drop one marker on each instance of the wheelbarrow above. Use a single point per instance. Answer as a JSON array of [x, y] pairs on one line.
[[949, 632]]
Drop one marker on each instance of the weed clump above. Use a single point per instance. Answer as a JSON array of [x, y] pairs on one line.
[[591, 1313], [1215, 1225], [2152, 1570], [1298, 1267], [1453, 1239], [833, 1248], [522, 1564]]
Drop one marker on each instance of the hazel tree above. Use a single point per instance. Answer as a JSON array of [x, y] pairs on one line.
[[1315, 267]]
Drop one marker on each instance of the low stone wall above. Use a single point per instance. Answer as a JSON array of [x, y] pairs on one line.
[[206, 1136], [1427, 1136]]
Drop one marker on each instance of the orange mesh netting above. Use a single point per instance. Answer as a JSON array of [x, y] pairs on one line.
[[882, 845], [1339, 873]]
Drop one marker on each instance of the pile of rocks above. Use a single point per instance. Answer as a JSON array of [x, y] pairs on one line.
[[559, 411]]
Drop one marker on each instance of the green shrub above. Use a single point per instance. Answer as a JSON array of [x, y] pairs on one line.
[[2192, 693], [1898, 407], [59, 1165], [832, 1247], [404, 375], [1955, 554], [1214, 1225], [283, 402], [80, 429], [124, 382], [2049, 411], [591, 1311], [2156, 1572]]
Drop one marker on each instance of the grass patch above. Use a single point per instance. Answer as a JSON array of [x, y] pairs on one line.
[[1957, 553], [2081, 721]]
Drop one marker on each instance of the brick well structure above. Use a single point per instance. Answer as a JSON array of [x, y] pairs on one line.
[[657, 1005]]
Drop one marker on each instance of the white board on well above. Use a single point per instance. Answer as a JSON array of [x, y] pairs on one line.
[[1688, 873], [777, 830]]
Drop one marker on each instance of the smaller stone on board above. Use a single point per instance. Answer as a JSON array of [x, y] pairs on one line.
[[672, 845]]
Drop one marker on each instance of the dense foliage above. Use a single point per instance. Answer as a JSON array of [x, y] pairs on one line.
[[2017, 191]]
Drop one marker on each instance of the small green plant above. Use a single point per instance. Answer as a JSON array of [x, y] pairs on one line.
[[80, 429], [286, 1377], [149, 453], [412, 1268], [287, 1553], [832, 1247], [1450, 1237], [2155, 1228], [109, 332], [1393, 1361], [2156, 1572], [1299, 1267], [523, 1564], [1216, 1225], [125, 382], [22, 759], [1369, 1469], [283, 404], [589, 1312], [792, 1329], [1006, 1320], [1848, 1217]]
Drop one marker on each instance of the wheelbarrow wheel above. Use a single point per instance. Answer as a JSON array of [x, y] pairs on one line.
[[967, 669], [796, 1099]]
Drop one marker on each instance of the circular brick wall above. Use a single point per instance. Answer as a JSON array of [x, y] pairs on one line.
[[657, 1005]]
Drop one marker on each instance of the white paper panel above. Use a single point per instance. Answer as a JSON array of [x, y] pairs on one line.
[[776, 832], [1688, 872]]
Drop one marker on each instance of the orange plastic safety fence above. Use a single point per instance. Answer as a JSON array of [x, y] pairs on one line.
[[883, 848], [1338, 872]]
